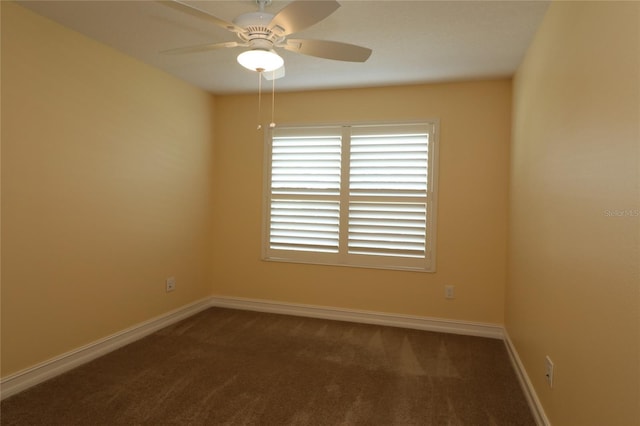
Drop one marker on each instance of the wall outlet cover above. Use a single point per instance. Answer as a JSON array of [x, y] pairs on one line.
[[170, 284], [449, 292]]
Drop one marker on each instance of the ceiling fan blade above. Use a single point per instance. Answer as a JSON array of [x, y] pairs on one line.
[[200, 48], [301, 14], [329, 49], [199, 13], [274, 75]]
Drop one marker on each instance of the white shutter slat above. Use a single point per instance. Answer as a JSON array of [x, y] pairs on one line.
[[384, 229], [389, 253], [379, 247]]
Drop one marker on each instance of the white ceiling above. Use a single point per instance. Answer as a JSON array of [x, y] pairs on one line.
[[412, 41]]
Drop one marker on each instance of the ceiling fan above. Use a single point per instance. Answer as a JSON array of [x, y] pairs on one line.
[[262, 32]]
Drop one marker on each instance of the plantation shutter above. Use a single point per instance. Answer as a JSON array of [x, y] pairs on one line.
[[305, 189], [388, 191], [357, 195]]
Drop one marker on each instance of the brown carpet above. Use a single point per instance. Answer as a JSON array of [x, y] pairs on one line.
[[229, 367]]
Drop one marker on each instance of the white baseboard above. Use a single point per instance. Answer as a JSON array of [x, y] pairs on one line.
[[32, 376], [494, 331], [529, 392]]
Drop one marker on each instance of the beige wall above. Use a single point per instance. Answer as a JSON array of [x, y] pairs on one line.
[[574, 282], [106, 190], [472, 208]]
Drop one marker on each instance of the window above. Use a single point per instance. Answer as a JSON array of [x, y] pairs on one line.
[[354, 195]]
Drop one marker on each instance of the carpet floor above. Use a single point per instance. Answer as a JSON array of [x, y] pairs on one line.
[[231, 367]]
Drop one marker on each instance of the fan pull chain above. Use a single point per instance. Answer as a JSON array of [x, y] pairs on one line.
[[273, 99], [259, 97]]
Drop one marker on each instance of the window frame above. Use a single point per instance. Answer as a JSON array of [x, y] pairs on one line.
[[343, 257]]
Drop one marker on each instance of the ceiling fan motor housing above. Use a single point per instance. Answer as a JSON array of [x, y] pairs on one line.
[[257, 32]]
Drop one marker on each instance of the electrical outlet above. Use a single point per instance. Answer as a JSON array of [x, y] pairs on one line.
[[448, 292], [170, 284], [548, 371]]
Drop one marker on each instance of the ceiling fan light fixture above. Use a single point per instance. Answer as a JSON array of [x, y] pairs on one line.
[[260, 60]]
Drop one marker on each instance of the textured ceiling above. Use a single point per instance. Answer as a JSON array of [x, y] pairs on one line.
[[412, 41]]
